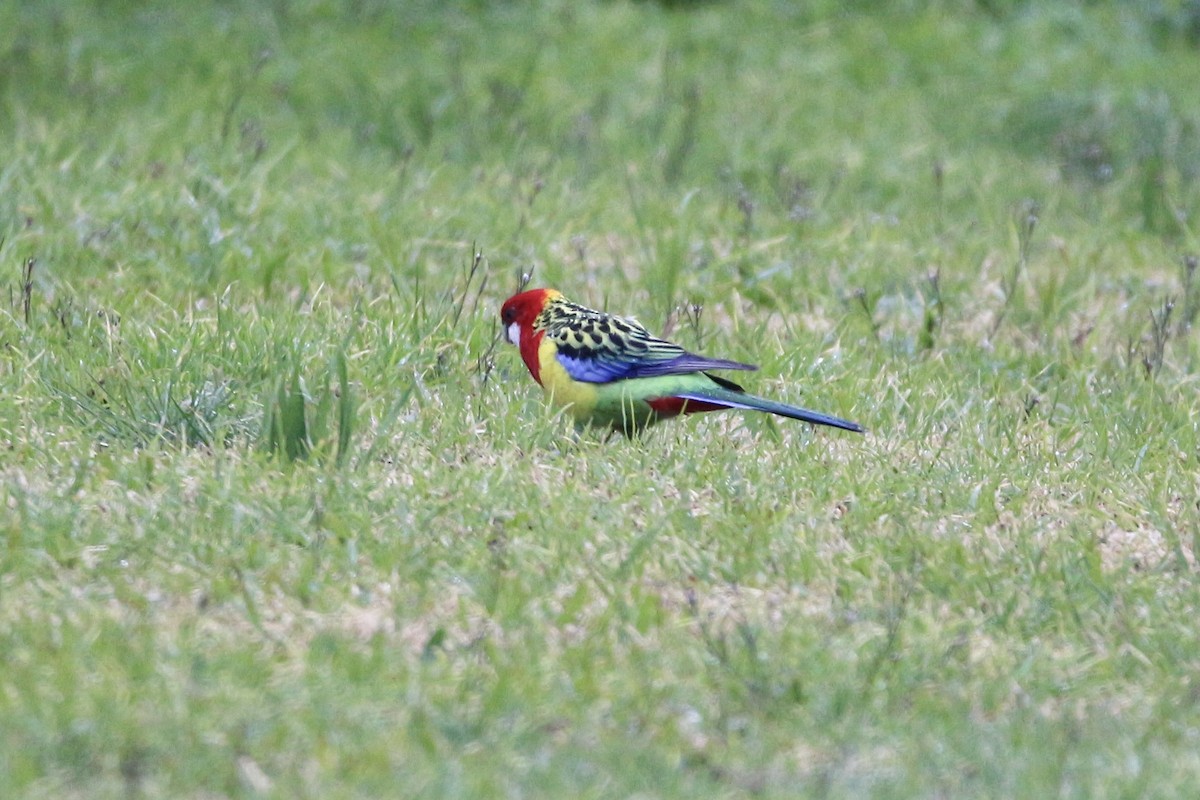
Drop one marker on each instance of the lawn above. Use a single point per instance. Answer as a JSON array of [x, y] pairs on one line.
[[279, 517]]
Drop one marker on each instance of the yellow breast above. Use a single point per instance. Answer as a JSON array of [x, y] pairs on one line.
[[561, 389]]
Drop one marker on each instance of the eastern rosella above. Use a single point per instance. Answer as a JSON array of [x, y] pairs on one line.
[[610, 371]]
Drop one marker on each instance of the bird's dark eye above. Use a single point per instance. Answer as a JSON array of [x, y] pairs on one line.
[[508, 315]]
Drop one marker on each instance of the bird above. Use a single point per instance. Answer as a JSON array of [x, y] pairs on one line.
[[610, 372]]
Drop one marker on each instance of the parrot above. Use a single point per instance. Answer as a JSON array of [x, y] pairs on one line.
[[610, 372]]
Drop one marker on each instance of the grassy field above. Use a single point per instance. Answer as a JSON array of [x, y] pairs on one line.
[[279, 518]]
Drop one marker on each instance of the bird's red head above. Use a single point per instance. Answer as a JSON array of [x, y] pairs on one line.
[[521, 310], [518, 315]]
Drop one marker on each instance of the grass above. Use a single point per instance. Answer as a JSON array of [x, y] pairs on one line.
[[279, 518]]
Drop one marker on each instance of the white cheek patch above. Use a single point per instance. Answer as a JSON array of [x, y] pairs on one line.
[[514, 334]]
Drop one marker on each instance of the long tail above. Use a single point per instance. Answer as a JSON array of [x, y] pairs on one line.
[[725, 398]]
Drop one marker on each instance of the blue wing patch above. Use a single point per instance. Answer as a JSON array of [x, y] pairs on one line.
[[590, 369]]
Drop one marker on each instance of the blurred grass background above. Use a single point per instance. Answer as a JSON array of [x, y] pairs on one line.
[[280, 518]]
